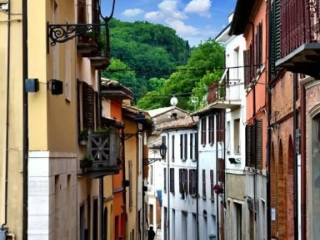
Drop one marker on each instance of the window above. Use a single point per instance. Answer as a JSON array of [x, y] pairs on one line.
[[172, 180], [204, 184], [181, 146], [238, 220], [196, 148], [165, 217], [183, 182], [191, 147], [173, 224], [193, 182], [212, 185], [95, 219], [185, 146], [105, 224], [254, 145], [165, 180], [220, 126], [204, 131], [236, 136], [211, 129], [151, 214], [173, 145], [164, 141]]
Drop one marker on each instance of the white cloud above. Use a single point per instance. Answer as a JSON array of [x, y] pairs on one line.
[[133, 12], [154, 16], [182, 29], [201, 7], [170, 8]]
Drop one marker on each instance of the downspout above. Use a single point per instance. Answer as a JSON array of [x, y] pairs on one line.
[[143, 194], [7, 120], [197, 194], [123, 183], [168, 189], [303, 164], [254, 123], [295, 150], [101, 199], [25, 119], [217, 178], [268, 89]]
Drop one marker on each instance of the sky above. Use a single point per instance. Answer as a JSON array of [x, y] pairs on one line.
[[193, 20]]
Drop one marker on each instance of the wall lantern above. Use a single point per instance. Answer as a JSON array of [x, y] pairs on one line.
[[55, 86], [32, 85]]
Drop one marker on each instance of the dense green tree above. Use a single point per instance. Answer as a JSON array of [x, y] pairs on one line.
[[190, 81]]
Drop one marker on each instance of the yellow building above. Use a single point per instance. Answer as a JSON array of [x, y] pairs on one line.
[[50, 100], [137, 126]]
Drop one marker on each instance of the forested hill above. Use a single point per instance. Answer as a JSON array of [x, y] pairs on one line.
[[154, 62]]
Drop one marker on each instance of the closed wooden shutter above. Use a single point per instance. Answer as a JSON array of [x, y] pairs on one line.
[[191, 146], [173, 147], [185, 181], [165, 180], [82, 11], [181, 181], [88, 101], [196, 142], [259, 144], [172, 180], [248, 145], [181, 146], [275, 29], [204, 131], [185, 146], [79, 112], [246, 56], [212, 184], [204, 192]]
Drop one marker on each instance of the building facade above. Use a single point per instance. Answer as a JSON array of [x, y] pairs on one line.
[[234, 99], [179, 172], [251, 20]]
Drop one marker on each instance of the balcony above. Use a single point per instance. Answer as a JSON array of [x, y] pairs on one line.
[[103, 153], [226, 93], [299, 36]]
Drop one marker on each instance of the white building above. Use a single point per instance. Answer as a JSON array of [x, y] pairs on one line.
[[210, 152], [240, 212], [154, 194], [179, 174]]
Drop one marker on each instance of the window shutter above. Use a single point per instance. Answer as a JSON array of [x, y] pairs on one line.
[[259, 144], [173, 147], [260, 32], [204, 183], [181, 181], [79, 106], [172, 180], [246, 55], [212, 184], [204, 131], [181, 146], [191, 146], [165, 180], [88, 95], [185, 146], [190, 182], [196, 143], [275, 30], [248, 146]]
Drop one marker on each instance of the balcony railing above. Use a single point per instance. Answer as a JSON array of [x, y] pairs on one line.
[[227, 92], [299, 35], [103, 153]]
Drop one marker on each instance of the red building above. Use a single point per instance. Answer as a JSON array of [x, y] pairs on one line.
[[251, 20]]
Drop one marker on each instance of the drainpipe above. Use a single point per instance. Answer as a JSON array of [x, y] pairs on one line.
[[123, 183], [217, 178], [101, 199], [25, 118], [197, 194], [295, 151], [269, 140], [168, 189], [303, 164], [6, 175]]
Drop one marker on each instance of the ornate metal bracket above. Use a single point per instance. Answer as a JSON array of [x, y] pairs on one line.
[[61, 33]]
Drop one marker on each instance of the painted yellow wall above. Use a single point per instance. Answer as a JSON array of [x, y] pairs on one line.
[[131, 155], [15, 187]]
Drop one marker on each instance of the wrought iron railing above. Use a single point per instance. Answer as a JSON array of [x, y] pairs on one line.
[[299, 24]]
